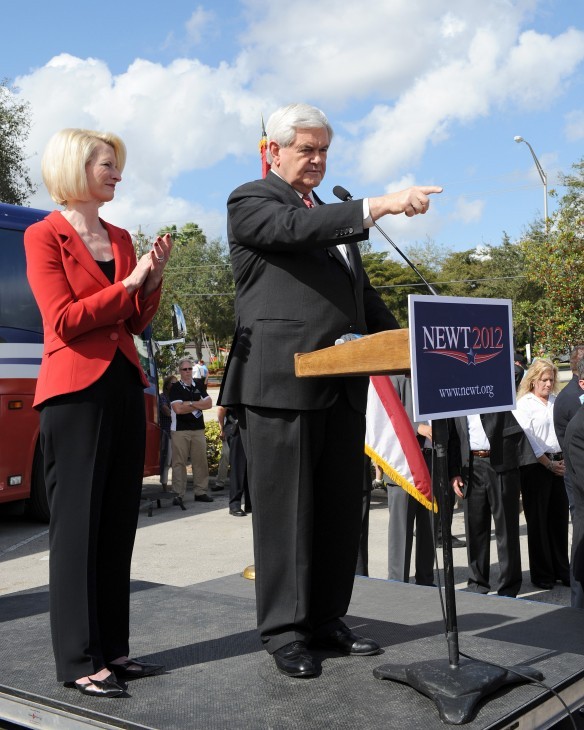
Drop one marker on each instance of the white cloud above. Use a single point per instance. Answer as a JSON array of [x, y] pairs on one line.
[[174, 119], [575, 125], [423, 67], [197, 25], [468, 211], [464, 89]]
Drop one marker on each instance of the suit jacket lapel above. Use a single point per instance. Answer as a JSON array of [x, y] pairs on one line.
[[72, 243], [273, 179], [334, 250]]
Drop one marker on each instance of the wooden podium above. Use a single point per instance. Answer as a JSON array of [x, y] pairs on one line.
[[454, 686], [385, 353]]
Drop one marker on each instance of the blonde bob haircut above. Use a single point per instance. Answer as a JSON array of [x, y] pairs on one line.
[[536, 370], [65, 158]]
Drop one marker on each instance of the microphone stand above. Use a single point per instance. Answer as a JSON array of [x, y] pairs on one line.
[[455, 686], [345, 195]]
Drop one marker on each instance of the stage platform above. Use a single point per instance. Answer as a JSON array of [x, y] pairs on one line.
[[219, 677]]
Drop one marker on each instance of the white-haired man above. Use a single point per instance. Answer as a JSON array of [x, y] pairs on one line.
[[300, 285]]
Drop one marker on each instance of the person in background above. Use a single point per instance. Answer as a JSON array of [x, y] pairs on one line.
[[223, 466], [545, 503], [519, 365], [574, 456], [378, 482], [188, 434], [93, 296], [165, 421], [238, 488], [406, 513], [201, 375], [566, 406], [484, 455]]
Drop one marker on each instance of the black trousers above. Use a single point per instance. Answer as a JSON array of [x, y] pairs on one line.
[[93, 449], [545, 505], [404, 511], [305, 473], [497, 495], [238, 488]]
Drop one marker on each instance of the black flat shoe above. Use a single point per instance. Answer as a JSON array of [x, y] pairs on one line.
[[544, 585], [345, 641], [294, 660], [203, 498], [133, 669], [237, 513], [107, 687]]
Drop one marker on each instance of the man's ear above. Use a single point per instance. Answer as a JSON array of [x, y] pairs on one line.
[[274, 149]]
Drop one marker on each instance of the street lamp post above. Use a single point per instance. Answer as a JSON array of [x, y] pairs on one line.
[[543, 177]]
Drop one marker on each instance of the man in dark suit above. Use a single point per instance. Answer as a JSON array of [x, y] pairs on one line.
[[300, 285], [574, 461], [484, 456], [567, 405], [406, 514]]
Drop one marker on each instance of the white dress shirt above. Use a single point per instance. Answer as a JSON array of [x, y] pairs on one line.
[[536, 418], [477, 438]]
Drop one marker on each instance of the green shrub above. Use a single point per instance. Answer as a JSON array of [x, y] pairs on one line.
[[214, 445]]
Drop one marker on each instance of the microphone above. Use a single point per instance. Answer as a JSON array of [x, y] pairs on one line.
[[342, 194]]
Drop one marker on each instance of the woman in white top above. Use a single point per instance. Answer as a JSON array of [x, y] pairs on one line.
[[545, 503]]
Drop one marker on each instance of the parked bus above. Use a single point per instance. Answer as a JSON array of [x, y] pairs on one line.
[[21, 348]]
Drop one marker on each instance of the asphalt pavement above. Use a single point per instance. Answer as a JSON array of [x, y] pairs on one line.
[[203, 542]]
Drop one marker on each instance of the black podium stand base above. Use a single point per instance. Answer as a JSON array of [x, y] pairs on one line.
[[455, 690]]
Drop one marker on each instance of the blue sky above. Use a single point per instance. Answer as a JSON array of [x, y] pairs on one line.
[[417, 92]]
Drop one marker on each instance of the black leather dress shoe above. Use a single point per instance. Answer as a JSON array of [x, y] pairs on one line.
[[294, 660], [133, 669], [203, 498], [107, 687], [346, 642], [237, 513], [544, 585]]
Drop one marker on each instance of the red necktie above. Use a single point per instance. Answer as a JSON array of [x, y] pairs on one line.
[[307, 201]]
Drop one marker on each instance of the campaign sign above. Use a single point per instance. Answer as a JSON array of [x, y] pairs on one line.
[[461, 353]]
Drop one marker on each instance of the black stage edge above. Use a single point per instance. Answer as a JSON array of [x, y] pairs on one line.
[[219, 677]]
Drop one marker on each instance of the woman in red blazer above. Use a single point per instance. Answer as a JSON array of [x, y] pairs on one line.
[[93, 296]]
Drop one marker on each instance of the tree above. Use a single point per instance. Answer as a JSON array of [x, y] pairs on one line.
[[198, 278], [393, 281], [554, 261], [493, 272], [15, 184]]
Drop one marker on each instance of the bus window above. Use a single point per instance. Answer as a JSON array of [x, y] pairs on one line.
[[18, 309]]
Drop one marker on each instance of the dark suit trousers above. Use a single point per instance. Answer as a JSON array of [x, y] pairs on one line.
[[93, 449], [404, 511], [545, 505], [490, 493], [305, 471], [238, 475]]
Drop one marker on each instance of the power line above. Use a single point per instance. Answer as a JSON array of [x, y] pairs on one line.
[[451, 281], [383, 286]]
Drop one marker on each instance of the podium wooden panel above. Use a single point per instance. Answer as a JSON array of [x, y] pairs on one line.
[[384, 353]]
